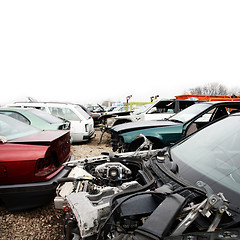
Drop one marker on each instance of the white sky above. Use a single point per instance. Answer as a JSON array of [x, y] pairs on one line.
[[91, 51]]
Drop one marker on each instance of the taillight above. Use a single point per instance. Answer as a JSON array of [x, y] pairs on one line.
[[47, 165]]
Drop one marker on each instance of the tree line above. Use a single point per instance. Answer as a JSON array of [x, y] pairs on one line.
[[213, 89]]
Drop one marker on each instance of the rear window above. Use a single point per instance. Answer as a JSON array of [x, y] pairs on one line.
[[46, 116], [16, 115], [82, 112], [13, 129], [65, 113]]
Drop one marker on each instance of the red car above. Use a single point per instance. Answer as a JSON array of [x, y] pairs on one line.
[[30, 163]]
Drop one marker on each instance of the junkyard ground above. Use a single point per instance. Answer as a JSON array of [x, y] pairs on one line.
[[47, 222]]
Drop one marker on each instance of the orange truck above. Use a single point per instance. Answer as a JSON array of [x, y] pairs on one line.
[[208, 97]]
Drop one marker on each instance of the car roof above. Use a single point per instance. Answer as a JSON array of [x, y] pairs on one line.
[[41, 104], [16, 109]]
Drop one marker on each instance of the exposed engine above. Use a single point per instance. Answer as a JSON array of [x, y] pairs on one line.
[[129, 196]]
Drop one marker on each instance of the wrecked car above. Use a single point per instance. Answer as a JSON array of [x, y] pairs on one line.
[[158, 110], [30, 163], [188, 191], [126, 137]]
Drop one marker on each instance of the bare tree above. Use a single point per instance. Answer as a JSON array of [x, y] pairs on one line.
[[234, 91], [209, 89]]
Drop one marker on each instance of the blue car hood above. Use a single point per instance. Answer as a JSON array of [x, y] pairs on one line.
[[133, 126]]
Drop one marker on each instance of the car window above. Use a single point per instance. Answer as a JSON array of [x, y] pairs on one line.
[[65, 113], [213, 152], [39, 108], [163, 107], [45, 116], [82, 112], [16, 116], [140, 109], [12, 128], [200, 122], [189, 112], [185, 104]]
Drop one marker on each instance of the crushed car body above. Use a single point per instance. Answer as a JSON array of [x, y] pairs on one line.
[[188, 191]]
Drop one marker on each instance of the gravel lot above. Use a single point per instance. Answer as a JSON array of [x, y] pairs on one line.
[[46, 222]]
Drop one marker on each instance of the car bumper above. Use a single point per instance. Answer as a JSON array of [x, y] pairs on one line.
[[30, 195], [89, 136]]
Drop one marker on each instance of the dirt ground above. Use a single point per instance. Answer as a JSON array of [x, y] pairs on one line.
[[46, 222]]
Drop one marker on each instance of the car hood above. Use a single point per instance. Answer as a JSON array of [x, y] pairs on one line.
[[43, 137], [127, 127]]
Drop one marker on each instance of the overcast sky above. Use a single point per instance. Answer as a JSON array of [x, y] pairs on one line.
[[91, 51]]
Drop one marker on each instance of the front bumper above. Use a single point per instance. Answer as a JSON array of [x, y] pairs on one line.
[[30, 195]]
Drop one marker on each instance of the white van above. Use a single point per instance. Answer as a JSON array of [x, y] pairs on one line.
[[82, 126]]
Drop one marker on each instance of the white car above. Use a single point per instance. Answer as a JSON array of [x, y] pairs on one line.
[[158, 110], [82, 125]]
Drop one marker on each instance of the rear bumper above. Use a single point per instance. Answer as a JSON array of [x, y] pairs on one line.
[[30, 195], [89, 136], [82, 137]]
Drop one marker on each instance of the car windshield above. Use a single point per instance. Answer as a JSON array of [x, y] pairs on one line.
[[13, 129], [46, 116], [189, 113], [213, 154], [142, 108]]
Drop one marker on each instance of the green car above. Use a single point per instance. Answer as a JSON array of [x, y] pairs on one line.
[[37, 118], [129, 137]]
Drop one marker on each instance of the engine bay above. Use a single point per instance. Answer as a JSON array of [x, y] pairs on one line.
[[125, 197]]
